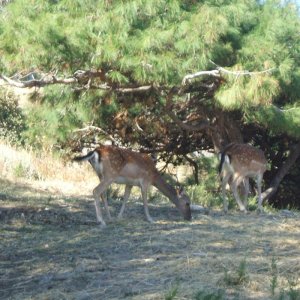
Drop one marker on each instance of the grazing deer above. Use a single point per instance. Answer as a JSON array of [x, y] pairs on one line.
[[122, 166], [238, 163]]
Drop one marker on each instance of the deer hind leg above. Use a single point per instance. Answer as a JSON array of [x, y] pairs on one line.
[[98, 192], [225, 180], [144, 189], [235, 183], [246, 189], [260, 200], [125, 198]]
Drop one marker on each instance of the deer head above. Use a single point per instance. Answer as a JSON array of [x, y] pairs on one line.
[[184, 204]]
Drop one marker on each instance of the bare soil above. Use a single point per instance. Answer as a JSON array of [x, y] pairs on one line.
[[52, 248]]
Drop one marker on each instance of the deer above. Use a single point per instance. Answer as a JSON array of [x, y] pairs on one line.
[[113, 164], [238, 163]]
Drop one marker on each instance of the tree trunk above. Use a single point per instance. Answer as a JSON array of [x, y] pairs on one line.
[[226, 131], [283, 170]]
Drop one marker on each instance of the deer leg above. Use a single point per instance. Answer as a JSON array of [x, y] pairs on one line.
[[246, 191], [260, 200], [235, 183], [144, 189], [125, 198], [97, 192], [104, 200], [225, 180]]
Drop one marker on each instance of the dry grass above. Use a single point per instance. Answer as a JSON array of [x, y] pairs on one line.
[[52, 248], [44, 171]]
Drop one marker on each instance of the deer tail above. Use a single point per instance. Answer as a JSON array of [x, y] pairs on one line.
[[224, 158], [90, 155]]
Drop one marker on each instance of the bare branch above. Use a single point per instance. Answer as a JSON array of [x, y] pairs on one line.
[[219, 71], [38, 83], [134, 89], [80, 77], [243, 72], [187, 78]]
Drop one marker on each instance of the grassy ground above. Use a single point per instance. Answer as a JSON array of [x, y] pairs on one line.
[[52, 248]]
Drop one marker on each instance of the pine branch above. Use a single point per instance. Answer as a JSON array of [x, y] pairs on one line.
[[80, 77], [186, 79], [219, 71], [38, 83]]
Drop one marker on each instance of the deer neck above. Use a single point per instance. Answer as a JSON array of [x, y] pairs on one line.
[[166, 189]]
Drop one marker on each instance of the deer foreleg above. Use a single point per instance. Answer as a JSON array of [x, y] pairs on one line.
[[97, 192], [104, 200], [144, 190], [125, 198]]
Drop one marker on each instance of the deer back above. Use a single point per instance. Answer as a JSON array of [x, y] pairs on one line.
[[245, 159]]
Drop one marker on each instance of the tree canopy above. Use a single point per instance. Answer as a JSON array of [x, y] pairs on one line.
[[170, 77]]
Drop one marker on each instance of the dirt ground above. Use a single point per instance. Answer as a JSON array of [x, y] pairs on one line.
[[52, 248]]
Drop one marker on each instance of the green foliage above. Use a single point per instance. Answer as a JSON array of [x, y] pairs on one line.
[[204, 295], [12, 120], [52, 120], [153, 33], [279, 121], [156, 42], [274, 276], [238, 276], [206, 192], [20, 170], [291, 293], [172, 293]]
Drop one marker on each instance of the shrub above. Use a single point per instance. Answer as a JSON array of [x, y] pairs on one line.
[[207, 191], [12, 121]]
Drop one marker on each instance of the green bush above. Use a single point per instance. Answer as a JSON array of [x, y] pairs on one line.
[[12, 120], [206, 193]]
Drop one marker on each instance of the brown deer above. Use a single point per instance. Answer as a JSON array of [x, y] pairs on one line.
[[122, 166], [238, 163]]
